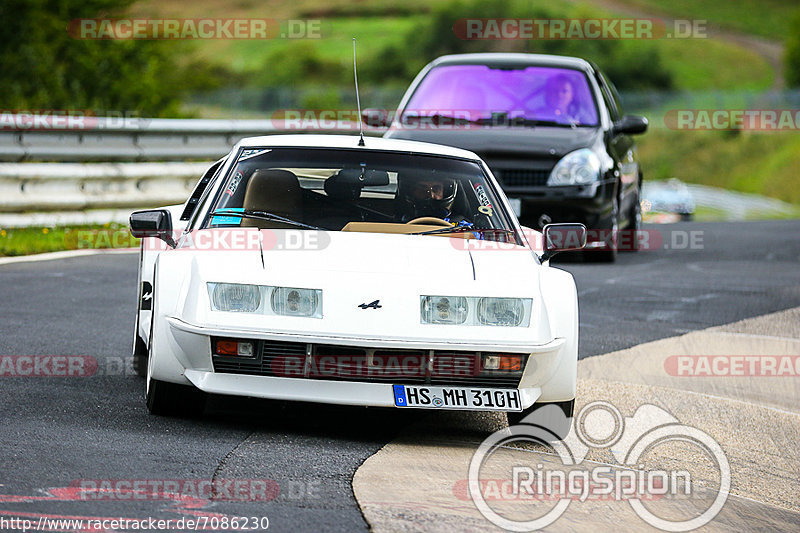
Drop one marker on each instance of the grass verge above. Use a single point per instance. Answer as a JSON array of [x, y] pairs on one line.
[[759, 163], [765, 18], [37, 240]]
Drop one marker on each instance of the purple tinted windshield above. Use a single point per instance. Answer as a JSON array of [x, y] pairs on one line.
[[479, 92]]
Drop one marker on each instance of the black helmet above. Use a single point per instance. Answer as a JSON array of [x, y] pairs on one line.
[[426, 195]]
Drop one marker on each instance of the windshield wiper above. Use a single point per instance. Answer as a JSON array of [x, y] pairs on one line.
[[462, 229], [527, 123], [438, 119], [263, 215]]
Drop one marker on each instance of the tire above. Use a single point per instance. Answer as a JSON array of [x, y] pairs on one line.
[[170, 399], [552, 420], [139, 354], [634, 227], [609, 255]]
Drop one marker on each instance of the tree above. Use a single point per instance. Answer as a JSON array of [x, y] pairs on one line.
[[792, 54], [44, 67]]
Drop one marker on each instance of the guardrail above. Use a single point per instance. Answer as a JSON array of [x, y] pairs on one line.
[[64, 191], [44, 137], [75, 186]]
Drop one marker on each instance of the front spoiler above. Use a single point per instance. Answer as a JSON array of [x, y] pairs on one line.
[[307, 390]]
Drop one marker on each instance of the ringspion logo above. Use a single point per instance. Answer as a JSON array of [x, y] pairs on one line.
[[542, 493]]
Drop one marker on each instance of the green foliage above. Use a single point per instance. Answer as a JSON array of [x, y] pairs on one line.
[[630, 64], [752, 162], [44, 67], [298, 63], [37, 240], [766, 18], [792, 53]]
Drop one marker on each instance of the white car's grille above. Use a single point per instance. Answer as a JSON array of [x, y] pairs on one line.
[[359, 364]]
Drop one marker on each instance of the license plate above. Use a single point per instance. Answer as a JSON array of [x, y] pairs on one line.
[[431, 397], [516, 206]]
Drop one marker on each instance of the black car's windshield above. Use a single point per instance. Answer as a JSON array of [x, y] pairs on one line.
[[360, 190], [522, 96]]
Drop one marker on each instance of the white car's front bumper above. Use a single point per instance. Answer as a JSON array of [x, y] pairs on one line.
[[187, 359], [308, 390]]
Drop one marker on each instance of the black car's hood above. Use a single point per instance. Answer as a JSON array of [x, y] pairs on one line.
[[541, 140]]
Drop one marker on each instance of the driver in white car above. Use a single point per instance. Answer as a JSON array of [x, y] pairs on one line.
[[427, 197]]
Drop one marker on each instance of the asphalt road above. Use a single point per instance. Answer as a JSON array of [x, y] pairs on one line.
[[61, 433]]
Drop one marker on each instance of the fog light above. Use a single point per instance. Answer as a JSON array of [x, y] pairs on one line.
[[234, 347], [503, 363]]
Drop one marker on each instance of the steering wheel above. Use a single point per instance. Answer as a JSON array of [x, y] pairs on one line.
[[430, 220]]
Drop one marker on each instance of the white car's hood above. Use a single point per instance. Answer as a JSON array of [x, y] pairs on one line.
[[373, 253], [358, 268]]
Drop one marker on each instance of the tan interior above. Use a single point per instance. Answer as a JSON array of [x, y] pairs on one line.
[[274, 191], [389, 227]]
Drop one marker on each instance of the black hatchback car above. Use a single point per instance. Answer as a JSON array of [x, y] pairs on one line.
[[551, 129]]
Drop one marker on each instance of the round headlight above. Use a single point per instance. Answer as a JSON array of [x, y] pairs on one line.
[[576, 168], [501, 311], [295, 302], [444, 309], [236, 297]]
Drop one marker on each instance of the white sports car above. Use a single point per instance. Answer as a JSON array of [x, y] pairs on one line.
[[313, 268]]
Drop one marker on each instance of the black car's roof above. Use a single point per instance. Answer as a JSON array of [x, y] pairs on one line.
[[515, 60]]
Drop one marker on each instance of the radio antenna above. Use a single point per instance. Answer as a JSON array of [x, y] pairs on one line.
[[358, 100]]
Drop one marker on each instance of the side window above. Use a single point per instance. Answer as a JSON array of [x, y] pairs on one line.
[[614, 95], [199, 189], [611, 104]]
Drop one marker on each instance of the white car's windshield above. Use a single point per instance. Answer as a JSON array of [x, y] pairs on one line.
[[359, 190]]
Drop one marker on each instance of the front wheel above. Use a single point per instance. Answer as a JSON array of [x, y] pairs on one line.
[[634, 227], [171, 399], [139, 356], [556, 417]]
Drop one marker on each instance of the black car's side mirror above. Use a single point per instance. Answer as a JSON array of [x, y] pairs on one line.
[[375, 118], [152, 223], [562, 238], [631, 125]]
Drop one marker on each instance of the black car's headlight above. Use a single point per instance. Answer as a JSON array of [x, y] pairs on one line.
[[580, 167]]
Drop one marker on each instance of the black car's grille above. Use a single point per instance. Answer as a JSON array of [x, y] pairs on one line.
[[358, 364], [522, 177]]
